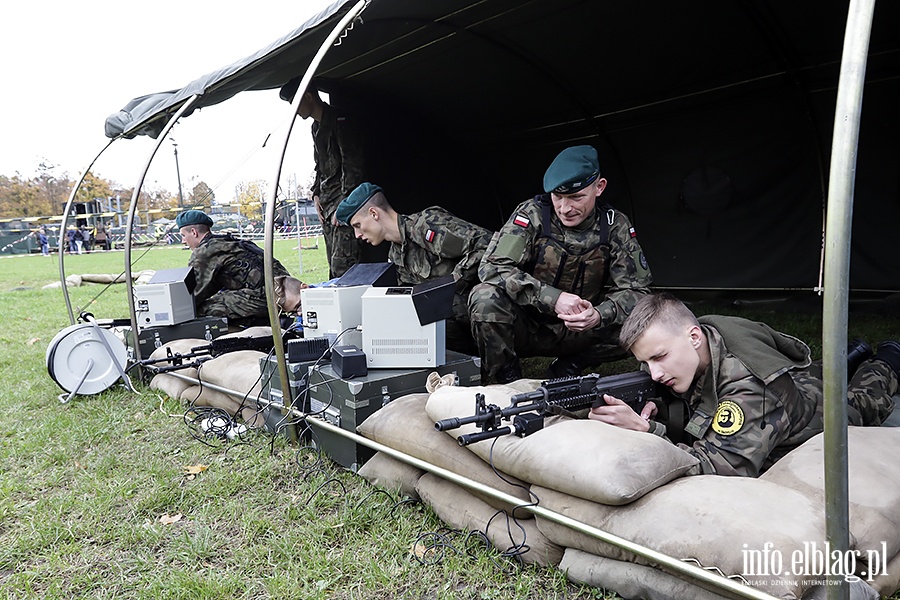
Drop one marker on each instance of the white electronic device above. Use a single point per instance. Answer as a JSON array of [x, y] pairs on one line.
[[167, 299], [392, 336], [333, 311]]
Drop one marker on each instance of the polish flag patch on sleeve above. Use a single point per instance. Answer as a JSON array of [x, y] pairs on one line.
[[429, 236], [521, 221], [631, 232]]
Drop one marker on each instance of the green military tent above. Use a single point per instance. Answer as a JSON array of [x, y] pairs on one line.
[[713, 119]]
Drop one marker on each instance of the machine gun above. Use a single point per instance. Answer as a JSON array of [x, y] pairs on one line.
[[200, 354], [553, 397]]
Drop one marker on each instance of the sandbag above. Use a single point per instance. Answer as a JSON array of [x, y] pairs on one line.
[[238, 371], [177, 347], [170, 385], [719, 521], [391, 474], [630, 580], [587, 459], [403, 425], [874, 492], [103, 277], [461, 510]]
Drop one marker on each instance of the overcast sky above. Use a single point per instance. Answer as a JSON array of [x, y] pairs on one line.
[[69, 65]]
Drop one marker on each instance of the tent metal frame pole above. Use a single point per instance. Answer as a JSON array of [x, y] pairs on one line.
[[62, 231], [129, 282], [837, 276], [272, 196], [683, 569]]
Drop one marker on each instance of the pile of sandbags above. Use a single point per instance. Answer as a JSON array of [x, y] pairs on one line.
[[630, 484]]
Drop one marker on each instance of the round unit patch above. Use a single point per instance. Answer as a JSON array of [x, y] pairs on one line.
[[729, 418]]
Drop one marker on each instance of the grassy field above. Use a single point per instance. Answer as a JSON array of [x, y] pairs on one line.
[[98, 498]]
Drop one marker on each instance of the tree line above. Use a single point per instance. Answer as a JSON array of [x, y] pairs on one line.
[[46, 194]]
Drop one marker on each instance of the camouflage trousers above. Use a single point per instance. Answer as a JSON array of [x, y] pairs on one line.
[[244, 306], [869, 393], [459, 332], [505, 331], [341, 247], [869, 400]]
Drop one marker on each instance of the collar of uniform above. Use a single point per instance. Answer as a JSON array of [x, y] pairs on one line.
[[705, 383], [403, 223]]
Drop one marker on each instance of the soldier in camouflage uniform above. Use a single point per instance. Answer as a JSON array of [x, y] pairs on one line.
[[752, 394], [425, 245], [229, 273], [559, 278], [339, 169]]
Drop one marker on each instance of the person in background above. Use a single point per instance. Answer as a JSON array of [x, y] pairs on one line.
[[44, 241], [338, 155], [70, 239], [78, 237], [559, 277], [87, 236]]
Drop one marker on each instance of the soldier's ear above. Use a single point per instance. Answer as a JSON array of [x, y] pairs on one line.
[[696, 336]]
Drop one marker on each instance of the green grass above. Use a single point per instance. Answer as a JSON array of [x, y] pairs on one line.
[[83, 485]]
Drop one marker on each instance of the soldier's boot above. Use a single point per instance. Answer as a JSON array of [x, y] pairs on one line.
[[858, 351], [566, 366], [511, 371], [889, 352]]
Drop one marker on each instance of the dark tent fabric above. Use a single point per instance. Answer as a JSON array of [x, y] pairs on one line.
[[713, 120]]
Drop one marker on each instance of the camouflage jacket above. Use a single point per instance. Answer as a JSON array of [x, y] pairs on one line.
[[740, 412], [339, 160], [222, 262], [509, 261], [434, 243]]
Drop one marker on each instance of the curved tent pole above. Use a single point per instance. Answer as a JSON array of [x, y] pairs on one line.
[[62, 231], [130, 224], [273, 195], [837, 275]]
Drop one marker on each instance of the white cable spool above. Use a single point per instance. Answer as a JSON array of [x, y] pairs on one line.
[[79, 362]]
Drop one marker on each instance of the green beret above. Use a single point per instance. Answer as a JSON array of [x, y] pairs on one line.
[[572, 170], [352, 203], [193, 217]]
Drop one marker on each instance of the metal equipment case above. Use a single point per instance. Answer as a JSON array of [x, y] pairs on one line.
[[347, 403], [151, 338], [298, 376]]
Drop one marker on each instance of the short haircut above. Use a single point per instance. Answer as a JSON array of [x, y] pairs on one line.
[[286, 286], [377, 200], [655, 309]]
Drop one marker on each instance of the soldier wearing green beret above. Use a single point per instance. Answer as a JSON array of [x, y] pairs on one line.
[[559, 277], [338, 154], [425, 245], [229, 273], [751, 394]]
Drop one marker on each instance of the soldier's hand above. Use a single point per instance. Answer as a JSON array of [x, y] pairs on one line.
[[617, 413], [318, 208], [569, 304], [585, 318]]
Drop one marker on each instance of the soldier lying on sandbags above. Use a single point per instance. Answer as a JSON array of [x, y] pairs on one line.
[[751, 394]]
